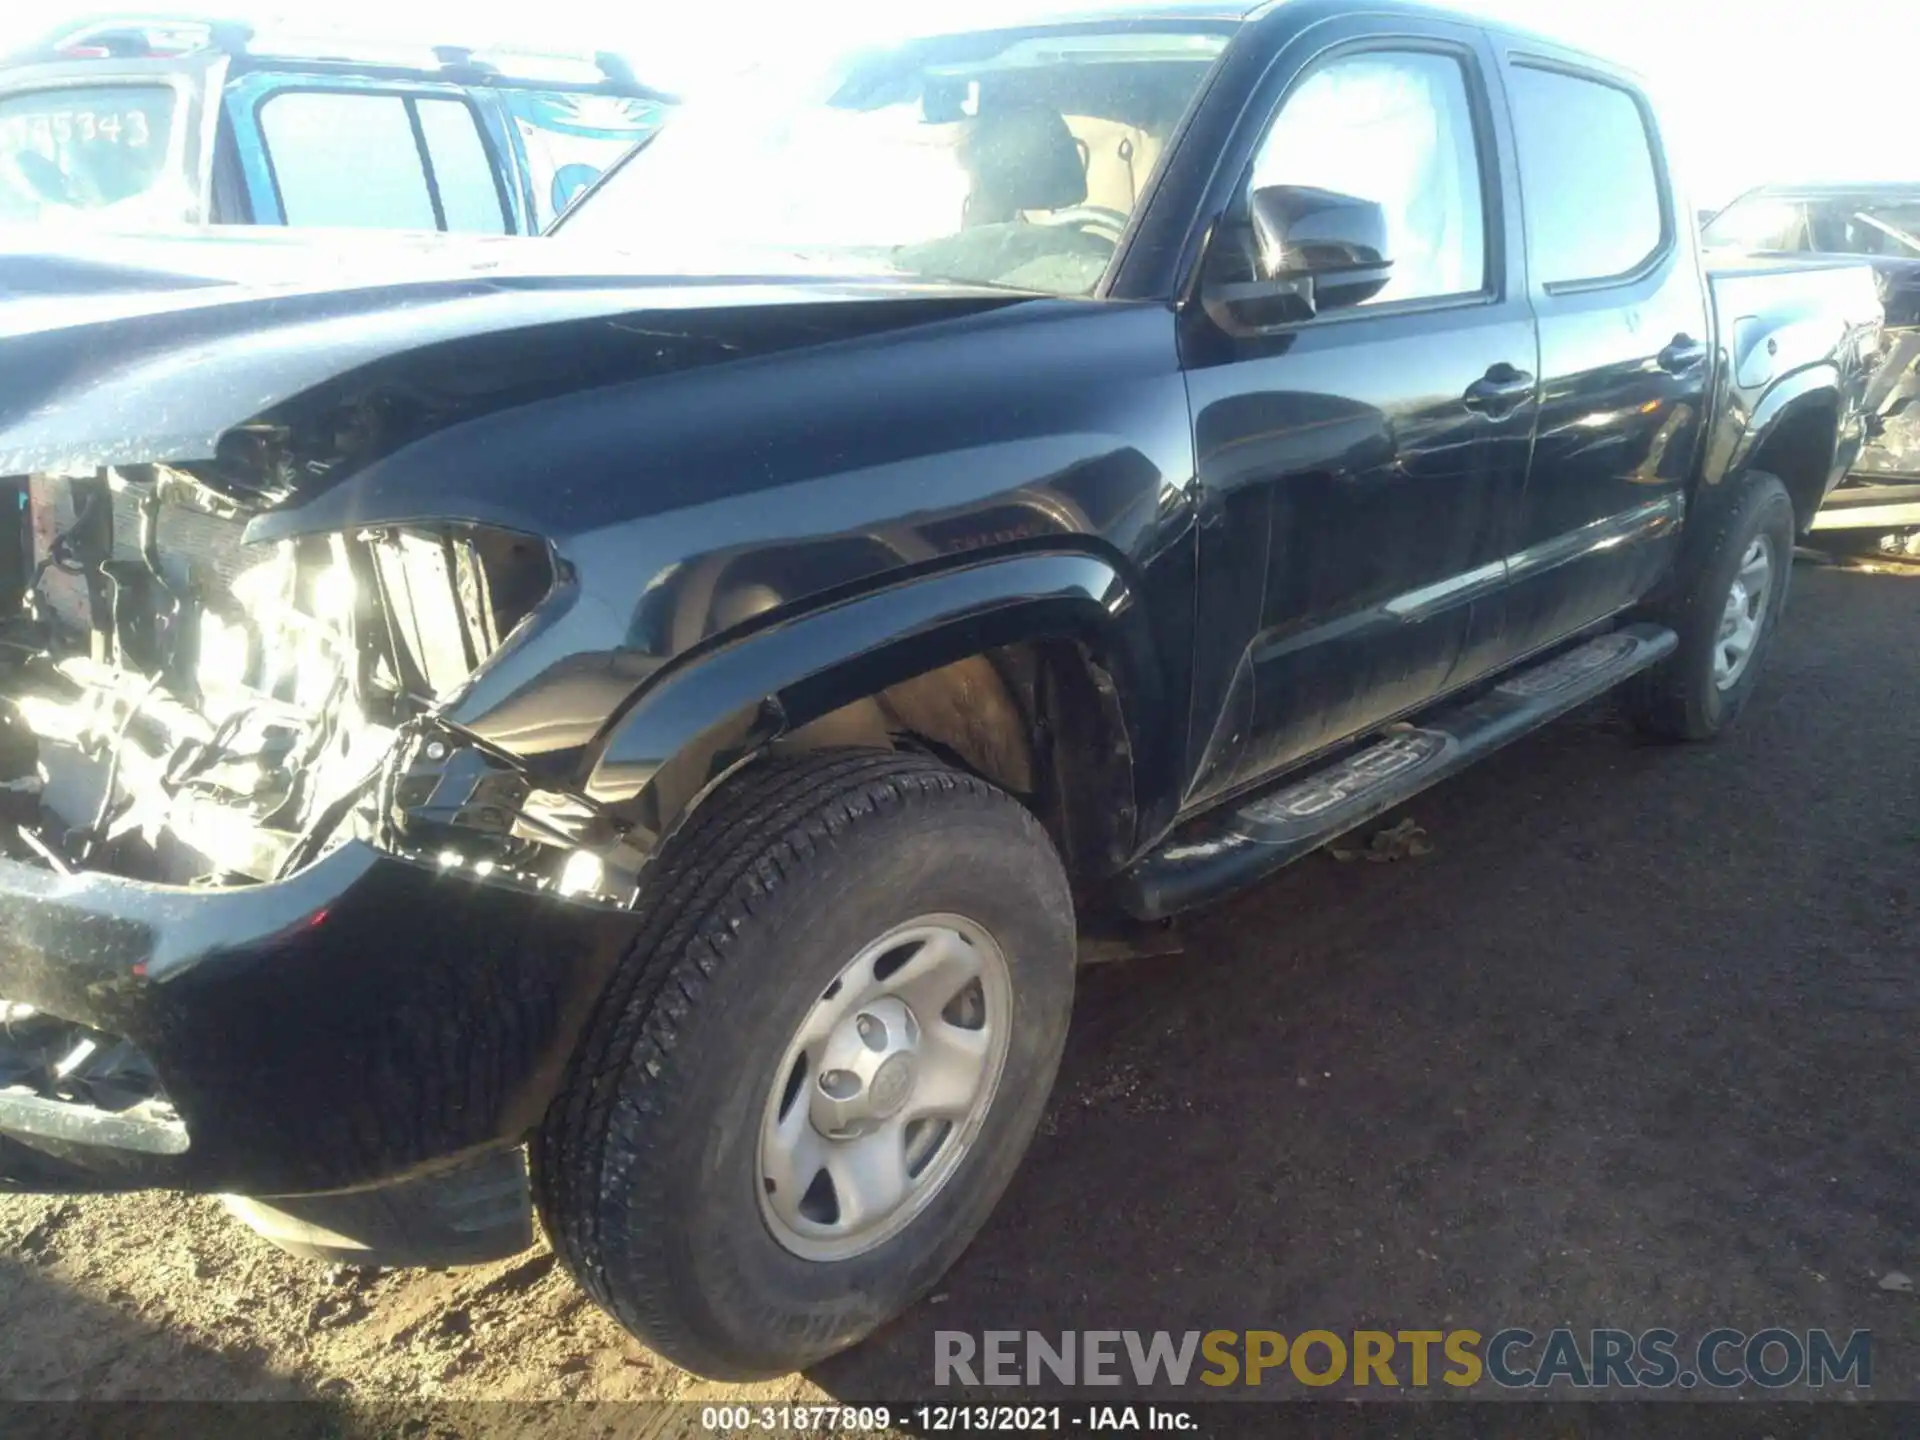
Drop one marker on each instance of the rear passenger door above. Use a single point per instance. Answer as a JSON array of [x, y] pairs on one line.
[[1624, 361]]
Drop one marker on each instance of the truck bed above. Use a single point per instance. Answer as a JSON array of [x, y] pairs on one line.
[[1778, 314], [1837, 292]]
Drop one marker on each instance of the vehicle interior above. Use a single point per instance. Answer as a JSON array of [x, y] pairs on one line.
[[1879, 230], [1055, 158], [1843, 226]]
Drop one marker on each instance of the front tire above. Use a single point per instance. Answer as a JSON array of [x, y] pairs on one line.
[[1725, 610], [780, 1128]]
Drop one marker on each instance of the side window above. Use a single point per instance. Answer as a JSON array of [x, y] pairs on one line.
[[1587, 175], [462, 167], [568, 140], [345, 158], [90, 148], [1847, 228], [1397, 129], [1759, 224]]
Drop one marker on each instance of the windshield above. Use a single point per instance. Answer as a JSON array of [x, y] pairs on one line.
[[82, 149], [1847, 225], [1001, 157]]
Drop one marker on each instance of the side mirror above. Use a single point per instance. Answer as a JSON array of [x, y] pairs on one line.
[[1311, 250]]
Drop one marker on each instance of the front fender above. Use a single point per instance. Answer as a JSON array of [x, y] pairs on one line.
[[708, 712]]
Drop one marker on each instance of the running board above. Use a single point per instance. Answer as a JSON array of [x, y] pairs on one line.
[[1228, 849]]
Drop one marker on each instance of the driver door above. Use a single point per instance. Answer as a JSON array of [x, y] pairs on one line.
[[1357, 467]]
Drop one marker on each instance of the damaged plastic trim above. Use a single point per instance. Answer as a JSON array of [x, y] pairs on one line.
[[455, 802]]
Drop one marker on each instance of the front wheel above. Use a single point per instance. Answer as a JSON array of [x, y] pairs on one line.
[[1725, 611], [811, 1080]]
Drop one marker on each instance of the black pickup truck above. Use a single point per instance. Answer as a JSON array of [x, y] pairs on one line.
[[640, 728]]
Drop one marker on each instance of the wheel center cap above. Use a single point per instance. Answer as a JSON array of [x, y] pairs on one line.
[[892, 1084]]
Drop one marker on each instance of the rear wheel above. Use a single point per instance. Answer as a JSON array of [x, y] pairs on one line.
[[808, 1085], [1725, 610]]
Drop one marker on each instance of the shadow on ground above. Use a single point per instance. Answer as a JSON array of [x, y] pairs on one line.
[[76, 1368]]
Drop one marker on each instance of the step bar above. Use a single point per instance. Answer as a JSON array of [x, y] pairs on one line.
[[1228, 849]]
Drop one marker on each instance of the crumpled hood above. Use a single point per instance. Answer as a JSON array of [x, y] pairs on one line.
[[122, 350]]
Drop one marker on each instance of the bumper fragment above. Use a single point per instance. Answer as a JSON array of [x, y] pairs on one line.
[[365, 1020]]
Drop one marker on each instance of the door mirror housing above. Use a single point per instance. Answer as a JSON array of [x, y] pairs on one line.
[[1340, 241], [1310, 250]]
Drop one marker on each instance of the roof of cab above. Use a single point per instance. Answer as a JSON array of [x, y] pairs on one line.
[[1841, 190], [131, 35]]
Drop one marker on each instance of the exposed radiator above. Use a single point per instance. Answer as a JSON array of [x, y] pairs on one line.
[[192, 546]]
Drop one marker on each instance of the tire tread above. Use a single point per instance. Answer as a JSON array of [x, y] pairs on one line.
[[749, 842], [1668, 701]]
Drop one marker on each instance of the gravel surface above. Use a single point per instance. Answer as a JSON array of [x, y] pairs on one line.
[[1632, 1044]]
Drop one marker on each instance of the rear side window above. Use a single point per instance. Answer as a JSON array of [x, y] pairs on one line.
[[568, 140], [351, 158], [461, 167], [341, 158], [1592, 191], [90, 148]]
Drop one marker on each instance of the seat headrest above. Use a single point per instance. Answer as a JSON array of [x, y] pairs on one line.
[[1021, 156]]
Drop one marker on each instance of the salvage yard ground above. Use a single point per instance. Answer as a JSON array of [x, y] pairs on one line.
[[1633, 1044]]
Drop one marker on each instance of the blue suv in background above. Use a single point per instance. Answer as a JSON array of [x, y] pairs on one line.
[[137, 124]]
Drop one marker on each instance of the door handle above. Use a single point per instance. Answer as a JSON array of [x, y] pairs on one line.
[[1684, 354], [1503, 388]]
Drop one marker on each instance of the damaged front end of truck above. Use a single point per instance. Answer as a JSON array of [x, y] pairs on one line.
[[278, 916], [247, 733], [187, 709], [270, 923]]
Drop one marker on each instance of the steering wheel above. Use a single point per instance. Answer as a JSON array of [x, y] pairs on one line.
[[1101, 220]]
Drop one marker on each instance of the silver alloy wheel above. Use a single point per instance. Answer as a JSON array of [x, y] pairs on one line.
[[884, 1088], [1745, 613]]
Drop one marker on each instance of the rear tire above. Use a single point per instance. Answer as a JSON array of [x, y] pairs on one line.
[[766, 918], [1697, 691]]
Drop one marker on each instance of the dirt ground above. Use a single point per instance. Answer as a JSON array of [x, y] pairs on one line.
[[1633, 1045]]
